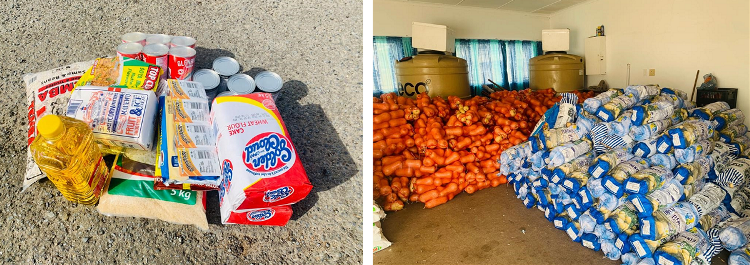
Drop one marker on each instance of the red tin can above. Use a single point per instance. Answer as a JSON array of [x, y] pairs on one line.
[[181, 62]]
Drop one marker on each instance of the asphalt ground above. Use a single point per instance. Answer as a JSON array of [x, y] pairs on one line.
[[315, 46]]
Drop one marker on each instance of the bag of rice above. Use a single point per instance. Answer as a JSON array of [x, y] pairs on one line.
[[728, 118], [47, 92], [131, 193], [690, 132]]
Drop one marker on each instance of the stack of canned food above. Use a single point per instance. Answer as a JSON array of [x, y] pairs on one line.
[[174, 54], [225, 79]]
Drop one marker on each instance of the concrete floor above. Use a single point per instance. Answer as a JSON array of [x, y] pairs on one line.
[[488, 227], [316, 48]]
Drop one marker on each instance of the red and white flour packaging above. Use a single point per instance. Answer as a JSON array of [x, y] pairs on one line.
[[277, 215], [48, 92], [260, 166], [181, 62]]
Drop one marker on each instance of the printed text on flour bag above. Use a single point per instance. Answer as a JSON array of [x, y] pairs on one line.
[[268, 155]]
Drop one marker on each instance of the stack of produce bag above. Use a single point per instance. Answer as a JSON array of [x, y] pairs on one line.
[[379, 241], [642, 175]]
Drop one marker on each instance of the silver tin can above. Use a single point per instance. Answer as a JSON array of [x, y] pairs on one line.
[[268, 81], [226, 66], [241, 84]]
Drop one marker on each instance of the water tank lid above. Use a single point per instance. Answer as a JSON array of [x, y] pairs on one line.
[[556, 59], [431, 61]]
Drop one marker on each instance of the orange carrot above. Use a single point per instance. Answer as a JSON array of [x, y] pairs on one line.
[[435, 202], [428, 195]]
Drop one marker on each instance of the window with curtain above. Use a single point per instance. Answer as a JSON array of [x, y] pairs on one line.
[[387, 51], [506, 62]]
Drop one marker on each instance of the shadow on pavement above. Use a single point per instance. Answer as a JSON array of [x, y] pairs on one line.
[[323, 154]]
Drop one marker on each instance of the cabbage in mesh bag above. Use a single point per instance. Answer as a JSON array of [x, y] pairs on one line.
[[612, 109], [691, 131], [728, 118], [664, 197], [697, 150], [643, 92], [688, 173], [669, 221], [582, 162], [651, 113], [708, 112], [647, 180], [593, 103], [683, 248], [604, 162], [567, 152], [732, 132]]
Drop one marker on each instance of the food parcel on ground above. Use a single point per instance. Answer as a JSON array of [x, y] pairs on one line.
[[134, 134]]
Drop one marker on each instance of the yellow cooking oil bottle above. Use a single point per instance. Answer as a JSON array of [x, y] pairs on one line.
[[66, 152]]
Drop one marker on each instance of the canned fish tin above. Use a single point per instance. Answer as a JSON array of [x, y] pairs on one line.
[[157, 54], [130, 50], [209, 78], [181, 62], [158, 39], [259, 163], [137, 37], [226, 66], [182, 41], [241, 84], [268, 81]]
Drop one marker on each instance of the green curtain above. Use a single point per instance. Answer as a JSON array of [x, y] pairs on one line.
[[388, 50], [506, 62]]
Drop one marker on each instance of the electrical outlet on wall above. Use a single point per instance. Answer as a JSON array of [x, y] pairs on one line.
[[651, 72]]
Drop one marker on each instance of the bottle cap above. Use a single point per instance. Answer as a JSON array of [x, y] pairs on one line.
[[50, 126]]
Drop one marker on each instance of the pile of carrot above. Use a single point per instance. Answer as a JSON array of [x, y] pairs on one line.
[[583, 95], [431, 149]]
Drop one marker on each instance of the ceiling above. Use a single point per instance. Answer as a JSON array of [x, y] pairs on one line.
[[528, 6]]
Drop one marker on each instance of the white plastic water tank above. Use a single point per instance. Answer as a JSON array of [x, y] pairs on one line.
[[557, 40]]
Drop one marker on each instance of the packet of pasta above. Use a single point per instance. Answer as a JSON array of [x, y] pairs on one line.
[[125, 73]]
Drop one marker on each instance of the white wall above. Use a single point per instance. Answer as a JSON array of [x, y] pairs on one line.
[[394, 18], [675, 37]]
